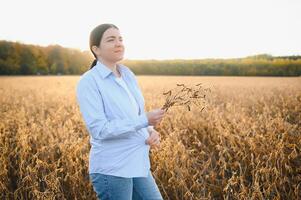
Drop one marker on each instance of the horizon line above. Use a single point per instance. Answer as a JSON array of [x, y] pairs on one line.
[[161, 59]]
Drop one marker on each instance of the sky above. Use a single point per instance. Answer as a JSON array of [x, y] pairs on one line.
[[161, 29]]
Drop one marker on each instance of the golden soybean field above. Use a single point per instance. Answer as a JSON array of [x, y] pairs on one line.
[[245, 144]]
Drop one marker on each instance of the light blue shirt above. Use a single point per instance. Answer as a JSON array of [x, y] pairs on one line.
[[117, 132], [132, 98]]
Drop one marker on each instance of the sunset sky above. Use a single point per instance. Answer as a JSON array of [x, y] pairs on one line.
[[165, 29]]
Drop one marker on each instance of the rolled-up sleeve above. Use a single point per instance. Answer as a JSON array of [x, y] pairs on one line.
[[92, 109]]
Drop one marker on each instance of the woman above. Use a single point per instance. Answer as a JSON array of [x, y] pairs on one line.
[[121, 132]]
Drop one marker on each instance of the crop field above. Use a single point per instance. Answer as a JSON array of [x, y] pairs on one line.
[[244, 144]]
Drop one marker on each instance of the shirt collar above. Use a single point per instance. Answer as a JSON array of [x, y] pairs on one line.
[[106, 71]]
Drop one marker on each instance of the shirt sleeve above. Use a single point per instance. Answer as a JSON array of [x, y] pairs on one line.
[[91, 107]]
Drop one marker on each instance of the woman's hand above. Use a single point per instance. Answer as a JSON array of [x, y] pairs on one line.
[[155, 116], [154, 139]]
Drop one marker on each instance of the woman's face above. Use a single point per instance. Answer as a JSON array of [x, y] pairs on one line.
[[111, 47]]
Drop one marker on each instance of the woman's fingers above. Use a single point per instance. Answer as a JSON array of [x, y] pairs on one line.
[[156, 145], [156, 142], [159, 117], [150, 139], [154, 138], [158, 120]]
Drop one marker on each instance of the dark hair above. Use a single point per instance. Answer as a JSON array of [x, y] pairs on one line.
[[95, 38]]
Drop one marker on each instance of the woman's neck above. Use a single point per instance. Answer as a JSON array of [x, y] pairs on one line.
[[112, 66]]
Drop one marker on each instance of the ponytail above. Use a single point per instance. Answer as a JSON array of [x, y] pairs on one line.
[[93, 63]]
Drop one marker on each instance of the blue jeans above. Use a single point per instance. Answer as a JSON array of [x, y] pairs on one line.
[[108, 187]]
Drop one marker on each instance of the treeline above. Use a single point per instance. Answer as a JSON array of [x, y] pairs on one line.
[[261, 65], [22, 59]]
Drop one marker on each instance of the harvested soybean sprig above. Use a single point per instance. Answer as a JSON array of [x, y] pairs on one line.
[[185, 96]]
